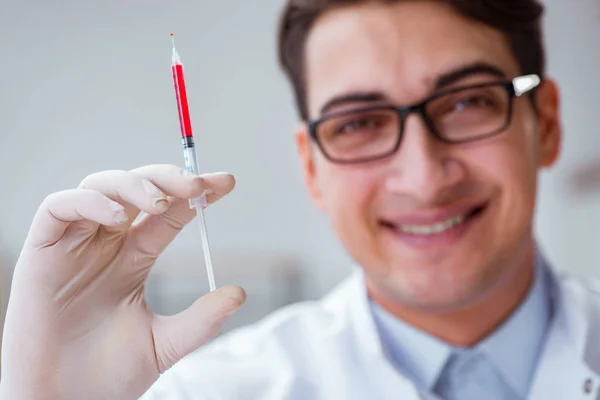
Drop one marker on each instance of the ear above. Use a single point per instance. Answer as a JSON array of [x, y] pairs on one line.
[[548, 105], [305, 151]]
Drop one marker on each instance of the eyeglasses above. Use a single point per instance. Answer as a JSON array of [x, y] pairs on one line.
[[455, 116]]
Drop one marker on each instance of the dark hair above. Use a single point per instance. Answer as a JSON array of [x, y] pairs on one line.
[[519, 20]]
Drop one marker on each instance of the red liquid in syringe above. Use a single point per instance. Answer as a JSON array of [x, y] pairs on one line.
[[183, 109], [181, 94]]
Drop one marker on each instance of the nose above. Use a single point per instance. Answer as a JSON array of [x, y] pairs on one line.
[[423, 168]]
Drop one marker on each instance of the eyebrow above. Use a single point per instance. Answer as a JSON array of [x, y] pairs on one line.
[[445, 79]]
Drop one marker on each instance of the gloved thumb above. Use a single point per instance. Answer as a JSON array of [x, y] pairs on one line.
[[177, 336]]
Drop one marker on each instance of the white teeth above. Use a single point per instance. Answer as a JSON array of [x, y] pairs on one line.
[[432, 229]]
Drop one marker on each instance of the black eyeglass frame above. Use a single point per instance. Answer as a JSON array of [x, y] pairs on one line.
[[420, 108]]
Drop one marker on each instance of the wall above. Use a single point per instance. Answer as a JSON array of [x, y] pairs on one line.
[[86, 86], [567, 220]]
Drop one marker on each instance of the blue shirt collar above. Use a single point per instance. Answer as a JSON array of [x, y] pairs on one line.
[[418, 355], [514, 347]]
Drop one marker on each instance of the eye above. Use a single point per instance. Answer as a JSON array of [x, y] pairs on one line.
[[358, 125], [473, 102]]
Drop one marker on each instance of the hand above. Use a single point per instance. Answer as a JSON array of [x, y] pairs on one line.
[[77, 325]]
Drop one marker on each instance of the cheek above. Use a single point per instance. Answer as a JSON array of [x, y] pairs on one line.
[[510, 164], [348, 193]]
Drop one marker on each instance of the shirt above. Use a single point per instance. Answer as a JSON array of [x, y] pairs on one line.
[[513, 348]]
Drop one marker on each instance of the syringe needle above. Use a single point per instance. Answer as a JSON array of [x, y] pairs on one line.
[[175, 59], [206, 248]]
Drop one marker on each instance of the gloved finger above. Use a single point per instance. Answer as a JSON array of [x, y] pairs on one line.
[[178, 335], [61, 209], [155, 232], [131, 190], [177, 182], [218, 185]]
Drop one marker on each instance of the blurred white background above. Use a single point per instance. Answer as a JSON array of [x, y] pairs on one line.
[[86, 86]]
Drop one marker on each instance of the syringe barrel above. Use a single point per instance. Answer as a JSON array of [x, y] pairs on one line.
[[189, 154], [191, 164], [183, 108]]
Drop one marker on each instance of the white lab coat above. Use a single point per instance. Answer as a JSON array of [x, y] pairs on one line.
[[330, 350]]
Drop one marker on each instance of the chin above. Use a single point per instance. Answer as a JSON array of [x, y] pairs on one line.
[[436, 284]]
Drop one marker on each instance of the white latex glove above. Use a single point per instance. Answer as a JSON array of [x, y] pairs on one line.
[[77, 325]]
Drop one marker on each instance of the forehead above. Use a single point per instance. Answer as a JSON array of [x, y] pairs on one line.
[[396, 49]]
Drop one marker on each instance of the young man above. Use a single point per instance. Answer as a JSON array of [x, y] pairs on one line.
[[426, 123]]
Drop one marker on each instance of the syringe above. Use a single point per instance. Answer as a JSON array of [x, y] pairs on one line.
[[189, 154]]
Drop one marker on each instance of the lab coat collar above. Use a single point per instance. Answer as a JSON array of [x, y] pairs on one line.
[[569, 367], [363, 320]]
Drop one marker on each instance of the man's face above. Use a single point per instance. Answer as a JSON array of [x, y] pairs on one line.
[[433, 225]]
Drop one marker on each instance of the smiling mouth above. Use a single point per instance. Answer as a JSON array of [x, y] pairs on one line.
[[436, 228]]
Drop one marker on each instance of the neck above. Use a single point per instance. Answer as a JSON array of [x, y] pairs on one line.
[[468, 326]]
